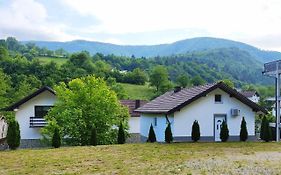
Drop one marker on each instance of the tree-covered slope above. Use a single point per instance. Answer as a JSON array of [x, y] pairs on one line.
[[179, 47]]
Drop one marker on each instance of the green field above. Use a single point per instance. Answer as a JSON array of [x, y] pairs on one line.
[[142, 92], [177, 158], [59, 61]]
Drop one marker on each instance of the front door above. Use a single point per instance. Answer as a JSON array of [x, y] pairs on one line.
[[217, 124]]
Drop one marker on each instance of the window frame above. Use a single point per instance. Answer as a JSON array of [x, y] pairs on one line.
[[43, 113], [218, 95]]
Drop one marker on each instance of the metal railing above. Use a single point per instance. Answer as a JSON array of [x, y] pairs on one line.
[[36, 122]]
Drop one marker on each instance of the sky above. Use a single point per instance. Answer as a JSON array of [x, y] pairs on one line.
[[143, 22]]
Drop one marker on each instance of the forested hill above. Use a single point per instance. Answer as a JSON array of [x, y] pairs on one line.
[[179, 47]]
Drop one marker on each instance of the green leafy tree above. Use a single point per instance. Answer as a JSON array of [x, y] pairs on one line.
[[168, 134], [82, 103], [13, 135], [197, 80], [121, 134], [182, 80], [56, 139], [224, 134], [5, 88], [228, 82], [195, 133], [151, 135], [93, 140], [243, 130], [158, 77]]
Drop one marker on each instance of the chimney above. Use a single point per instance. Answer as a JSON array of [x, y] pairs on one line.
[[137, 104], [177, 89]]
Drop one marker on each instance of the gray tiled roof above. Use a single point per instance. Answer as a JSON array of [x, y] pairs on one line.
[[172, 101]]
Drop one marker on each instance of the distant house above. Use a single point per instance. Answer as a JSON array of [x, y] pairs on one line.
[[30, 112], [208, 104], [3, 129], [252, 95]]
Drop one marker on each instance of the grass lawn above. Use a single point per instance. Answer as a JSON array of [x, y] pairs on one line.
[[59, 61], [177, 158], [142, 92]]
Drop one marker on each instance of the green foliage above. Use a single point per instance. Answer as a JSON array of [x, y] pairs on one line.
[[13, 135], [151, 135], [195, 133], [168, 134], [93, 139], [224, 134], [182, 80], [197, 80], [265, 133], [56, 139], [121, 134], [228, 83], [82, 103], [5, 88], [159, 77], [243, 130]]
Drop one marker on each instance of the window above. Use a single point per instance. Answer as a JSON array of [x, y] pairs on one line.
[[218, 98], [155, 121], [41, 111]]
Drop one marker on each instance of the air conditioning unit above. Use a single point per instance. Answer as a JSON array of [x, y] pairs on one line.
[[235, 112]]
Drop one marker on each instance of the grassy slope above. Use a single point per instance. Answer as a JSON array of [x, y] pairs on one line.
[[143, 92], [177, 158], [59, 61]]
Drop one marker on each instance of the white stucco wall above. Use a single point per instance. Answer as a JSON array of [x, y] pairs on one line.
[[202, 110], [147, 119], [26, 110], [134, 125]]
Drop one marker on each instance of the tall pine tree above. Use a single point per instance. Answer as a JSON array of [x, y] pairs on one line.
[[243, 130], [93, 139], [263, 125], [121, 135], [224, 132], [267, 132], [195, 133], [168, 134], [13, 135], [151, 135], [56, 139]]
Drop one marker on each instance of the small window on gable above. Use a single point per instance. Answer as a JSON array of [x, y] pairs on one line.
[[155, 121], [218, 98]]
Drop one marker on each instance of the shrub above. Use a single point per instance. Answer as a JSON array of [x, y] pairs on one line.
[[151, 135], [265, 133], [224, 132], [168, 134], [195, 133], [13, 135], [56, 139], [243, 130], [93, 139], [121, 135]]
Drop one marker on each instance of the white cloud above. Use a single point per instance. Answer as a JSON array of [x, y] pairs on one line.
[[27, 20], [233, 19]]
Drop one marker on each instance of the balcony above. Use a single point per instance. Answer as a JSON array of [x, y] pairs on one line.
[[36, 122]]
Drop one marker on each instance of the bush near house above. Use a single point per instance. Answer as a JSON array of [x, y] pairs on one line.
[[56, 139], [266, 134], [151, 135], [121, 135], [195, 133], [168, 134], [243, 130], [13, 135], [224, 134]]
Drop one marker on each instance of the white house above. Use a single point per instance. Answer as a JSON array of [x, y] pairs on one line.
[[252, 95], [209, 105], [30, 112]]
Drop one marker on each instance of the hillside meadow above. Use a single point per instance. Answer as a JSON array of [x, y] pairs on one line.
[[148, 158]]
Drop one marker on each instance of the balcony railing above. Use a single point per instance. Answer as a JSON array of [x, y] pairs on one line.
[[36, 122]]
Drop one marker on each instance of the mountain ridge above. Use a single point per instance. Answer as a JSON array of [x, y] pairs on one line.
[[178, 47]]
